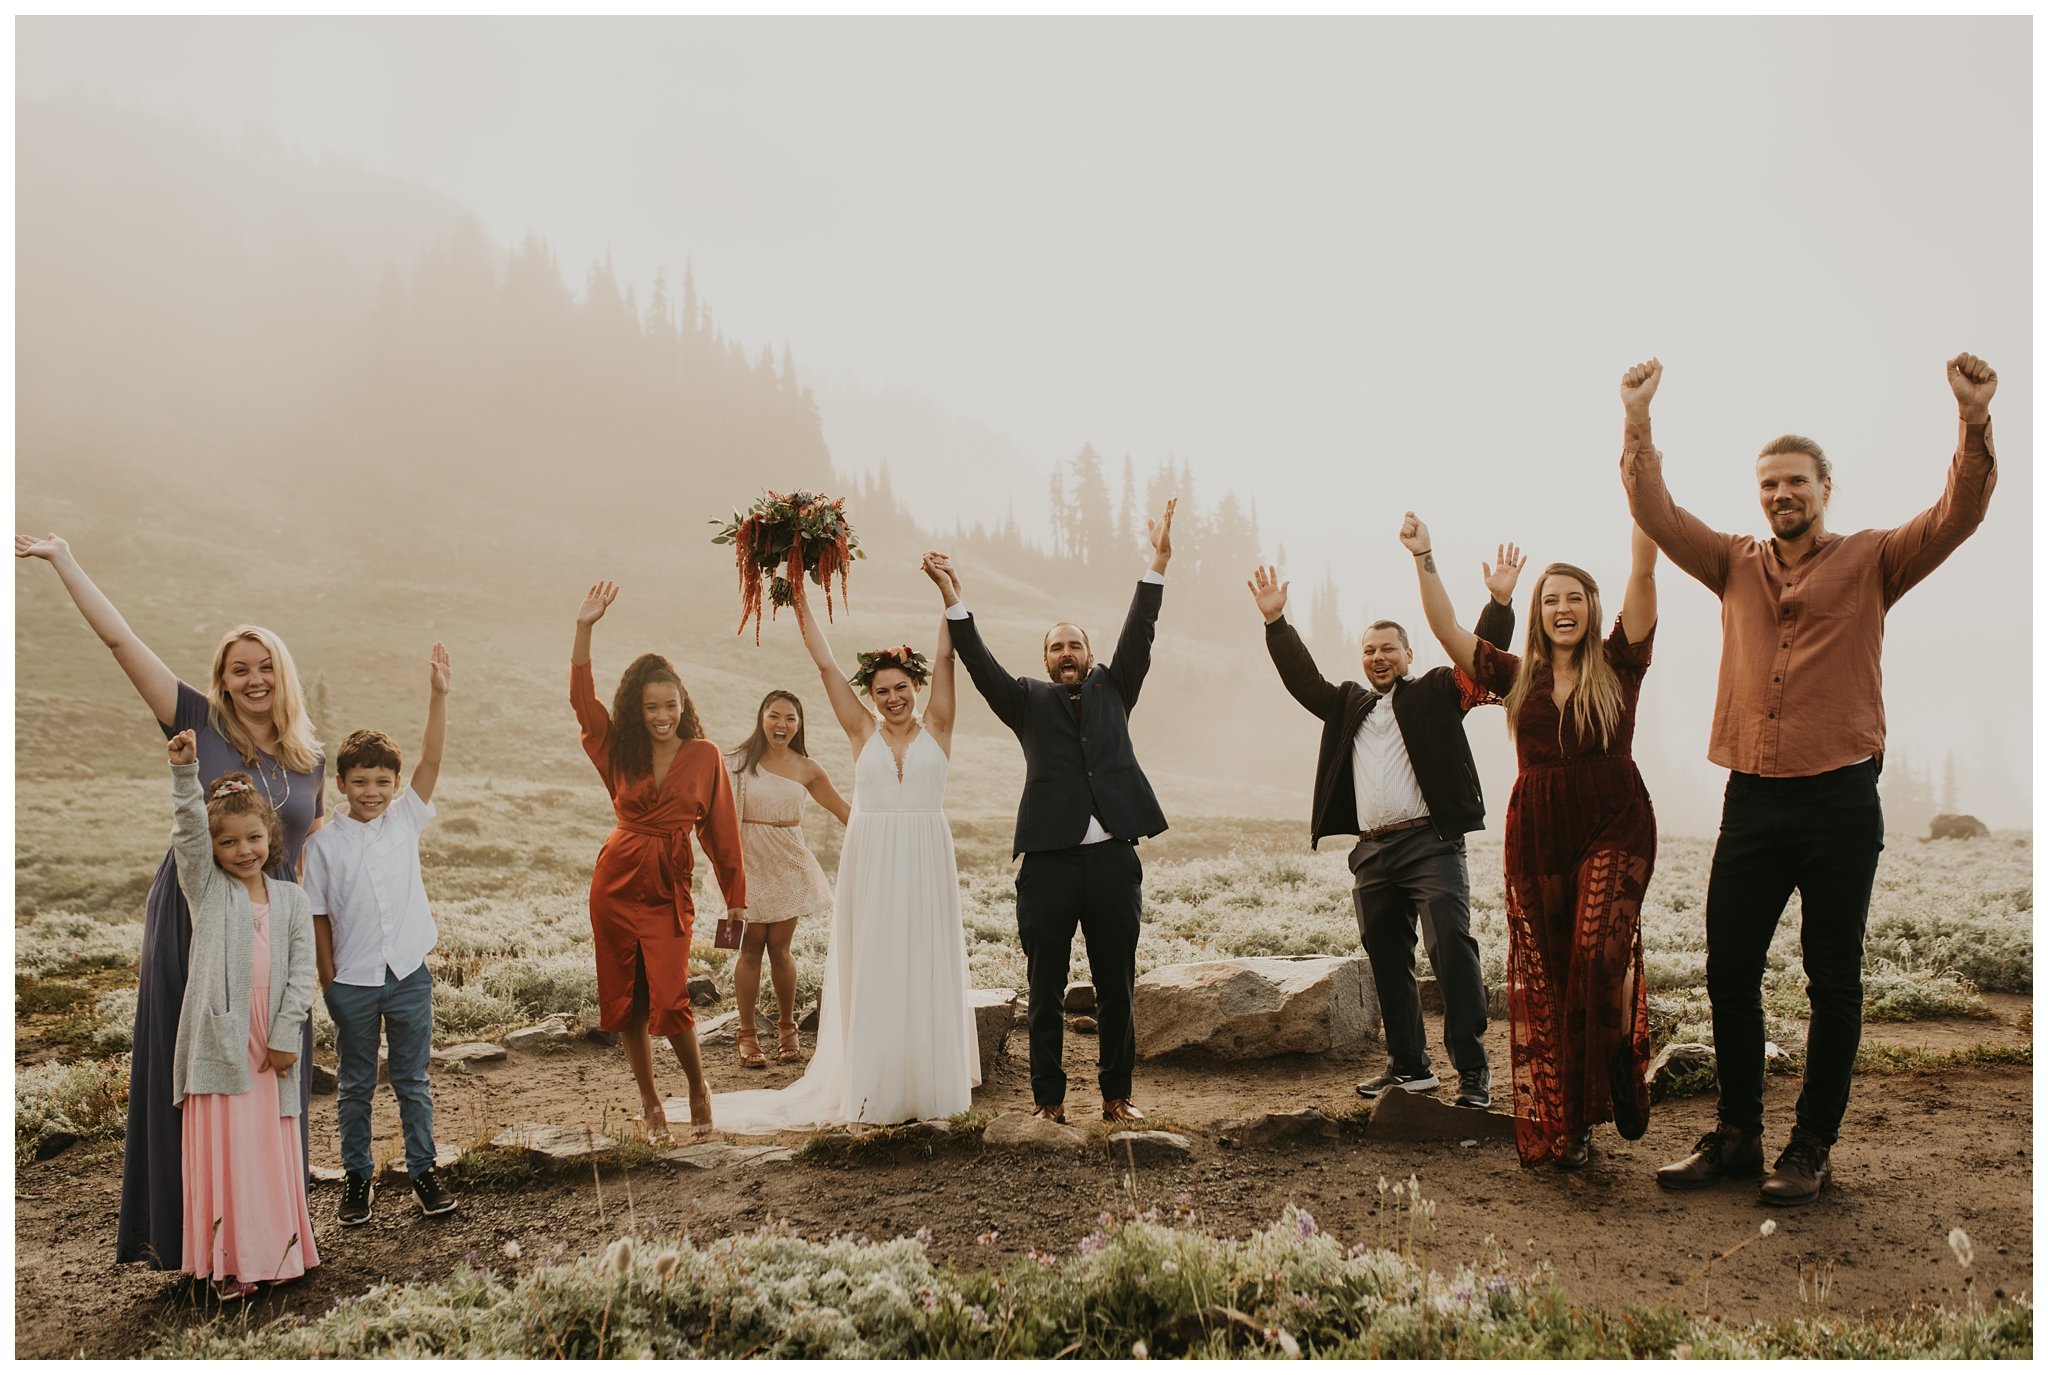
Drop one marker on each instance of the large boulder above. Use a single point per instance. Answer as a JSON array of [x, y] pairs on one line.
[[555, 1030], [1398, 1115], [1024, 1131], [995, 1012], [1956, 826], [1301, 1124], [1250, 1009]]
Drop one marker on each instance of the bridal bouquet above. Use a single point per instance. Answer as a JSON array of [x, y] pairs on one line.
[[782, 538]]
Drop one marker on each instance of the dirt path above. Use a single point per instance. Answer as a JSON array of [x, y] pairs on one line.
[[1920, 1154]]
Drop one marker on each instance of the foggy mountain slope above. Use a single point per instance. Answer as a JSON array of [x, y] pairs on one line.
[[232, 424]]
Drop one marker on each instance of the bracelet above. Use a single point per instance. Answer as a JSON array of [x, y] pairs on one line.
[[1425, 553]]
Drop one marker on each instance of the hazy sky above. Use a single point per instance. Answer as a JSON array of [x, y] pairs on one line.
[[1345, 266]]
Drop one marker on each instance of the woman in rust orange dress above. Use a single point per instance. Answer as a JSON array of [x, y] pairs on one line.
[[1581, 841], [666, 781]]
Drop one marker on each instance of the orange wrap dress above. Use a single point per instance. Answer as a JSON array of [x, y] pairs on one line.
[[640, 908]]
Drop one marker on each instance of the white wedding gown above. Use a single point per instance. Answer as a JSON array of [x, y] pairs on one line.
[[896, 1038]]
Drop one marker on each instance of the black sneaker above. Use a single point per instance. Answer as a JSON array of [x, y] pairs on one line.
[[1475, 1088], [433, 1199], [357, 1193], [1388, 1079]]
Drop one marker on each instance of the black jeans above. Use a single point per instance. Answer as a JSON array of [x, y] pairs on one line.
[[1096, 887], [1820, 835], [1396, 881]]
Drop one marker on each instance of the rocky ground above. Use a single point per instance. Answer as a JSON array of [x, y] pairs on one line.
[[1921, 1153]]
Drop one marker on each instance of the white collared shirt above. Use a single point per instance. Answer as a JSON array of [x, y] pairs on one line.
[[1382, 776], [364, 877]]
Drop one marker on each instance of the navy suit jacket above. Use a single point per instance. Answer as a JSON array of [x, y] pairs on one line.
[[1074, 769]]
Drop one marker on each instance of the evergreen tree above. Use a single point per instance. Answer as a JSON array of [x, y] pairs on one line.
[[1129, 521], [1093, 527]]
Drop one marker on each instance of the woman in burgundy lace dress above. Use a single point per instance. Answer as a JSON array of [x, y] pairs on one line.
[[1581, 841]]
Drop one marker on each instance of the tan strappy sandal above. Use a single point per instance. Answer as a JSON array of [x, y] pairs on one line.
[[750, 1049], [786, 1047]]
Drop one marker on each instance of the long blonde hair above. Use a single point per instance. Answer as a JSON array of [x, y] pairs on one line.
[[297, 750], [1595, 704]]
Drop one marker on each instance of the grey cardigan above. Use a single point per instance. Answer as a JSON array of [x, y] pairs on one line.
[[212, 1053]]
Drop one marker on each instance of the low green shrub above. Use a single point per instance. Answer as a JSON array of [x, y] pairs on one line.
[[86, 1100]]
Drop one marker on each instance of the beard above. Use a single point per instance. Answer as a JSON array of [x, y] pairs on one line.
[[1801, 523], [1056, 669]]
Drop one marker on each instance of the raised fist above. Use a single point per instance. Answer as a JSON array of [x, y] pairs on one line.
[[1639, 384], [1972, 380]]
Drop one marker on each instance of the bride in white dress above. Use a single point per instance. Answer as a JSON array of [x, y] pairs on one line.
[[896, 1038]]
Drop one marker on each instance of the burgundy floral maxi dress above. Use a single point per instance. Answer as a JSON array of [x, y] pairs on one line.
[[1581, 842]]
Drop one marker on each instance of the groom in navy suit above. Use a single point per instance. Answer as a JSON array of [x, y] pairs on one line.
[[1086, 805]]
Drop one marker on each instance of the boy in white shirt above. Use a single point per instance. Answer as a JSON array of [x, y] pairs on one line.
[[373, 931]]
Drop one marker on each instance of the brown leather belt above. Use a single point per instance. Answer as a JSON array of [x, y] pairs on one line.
[[1395, 829]]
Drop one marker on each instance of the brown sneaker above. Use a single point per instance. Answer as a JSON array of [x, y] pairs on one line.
[[1724, 1153], [1120, 1110], [1051, 1112], [1800, 1174]]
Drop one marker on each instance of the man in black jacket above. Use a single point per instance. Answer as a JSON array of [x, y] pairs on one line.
[[1407, 789], [1086, 805]]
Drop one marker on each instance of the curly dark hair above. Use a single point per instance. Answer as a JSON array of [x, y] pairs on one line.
[[632, 747]]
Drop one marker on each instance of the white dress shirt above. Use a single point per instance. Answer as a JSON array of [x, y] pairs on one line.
[[1382, 776], [1095, 834], [364, 877]]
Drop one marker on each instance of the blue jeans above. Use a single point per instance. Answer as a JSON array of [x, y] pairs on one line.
[[405, 1008]]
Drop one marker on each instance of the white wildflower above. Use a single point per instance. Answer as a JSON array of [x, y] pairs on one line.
[[665, 1264], [511, 1250], [1770, 1225], [1140, 1351], [618, 1257], [1288, 1346], [1959, 1242]]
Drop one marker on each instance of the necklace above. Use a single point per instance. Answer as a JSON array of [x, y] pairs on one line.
[[262, 777]]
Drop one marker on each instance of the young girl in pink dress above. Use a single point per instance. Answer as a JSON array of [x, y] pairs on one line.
[[235, 1070]]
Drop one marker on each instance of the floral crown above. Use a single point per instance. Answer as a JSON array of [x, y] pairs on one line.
[[897, 656], [226, 786]]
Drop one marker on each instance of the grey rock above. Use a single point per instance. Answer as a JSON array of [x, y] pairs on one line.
[[329, 1174], [703, 990], [1956, 826], [55, 1142], [718, 1030], [1302, 1124], [1022, 1130], [994, 1015], [557, 1145], [1398, 1115], [1251, 1009], [468, 1053], [809, 1020], [553, 1030], [1431, 993], [1150, 1147], [1080, 997], [713, 1155], [1678, 1059], [445, 1155], [1085, 1024], [324, 1080]]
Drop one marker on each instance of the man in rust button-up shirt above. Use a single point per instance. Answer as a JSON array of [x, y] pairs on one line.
[[1799, 723]]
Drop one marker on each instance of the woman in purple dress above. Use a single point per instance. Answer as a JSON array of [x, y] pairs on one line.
[[252, 718]]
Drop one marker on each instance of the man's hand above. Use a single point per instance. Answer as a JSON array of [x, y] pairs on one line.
[[1973, 381], [440, 674], [1269, 592], [1414, 535], [1638, 385], [1501, 575], [184, 748], [1159, 534], [595, 601]]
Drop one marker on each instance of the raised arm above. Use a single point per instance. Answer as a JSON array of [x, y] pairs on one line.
[[1457, 641], [1007, 697], [439, 678], [1133, 657], [1913, 550], [1298, 672], [1639, 602], [152, 678], [1693, 545], [856, 720], [938, 706], [595, 602], [191, 837]]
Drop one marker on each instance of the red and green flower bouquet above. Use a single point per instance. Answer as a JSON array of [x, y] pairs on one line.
[[784, 537]]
